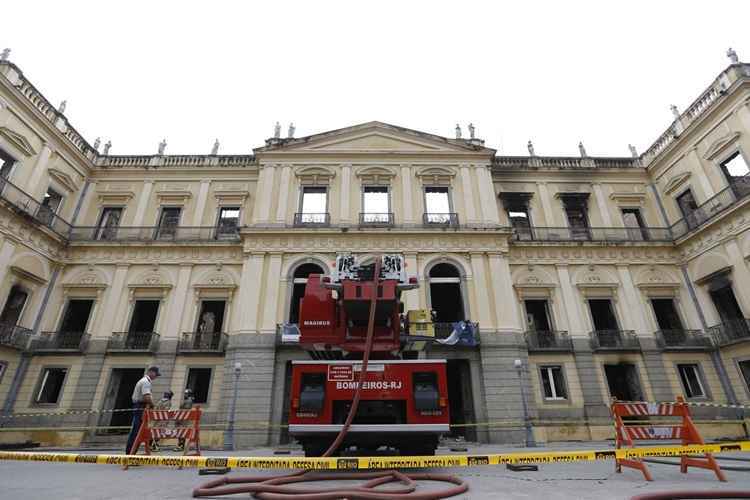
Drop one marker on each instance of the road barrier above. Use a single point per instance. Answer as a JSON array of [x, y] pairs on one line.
[[673, 423], [169, 424], [365, 463]]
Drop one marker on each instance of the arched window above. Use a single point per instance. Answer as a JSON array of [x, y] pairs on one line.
[[445, 293], [298, 287]]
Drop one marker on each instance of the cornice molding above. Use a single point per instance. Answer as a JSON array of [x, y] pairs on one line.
[[18, 141]]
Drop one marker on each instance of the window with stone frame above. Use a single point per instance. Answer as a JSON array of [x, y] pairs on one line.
[[50, 206], [314, 205], [576, 212], [737, 173], [50, 386], [519, 215], [169, 221], [229, 221], [553, 383], [437, 205], [109, 221], [376, 204], [6, 164], [199, 383], [691, 379]]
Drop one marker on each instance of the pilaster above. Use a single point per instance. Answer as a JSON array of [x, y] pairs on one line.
[[345, 194], [570, 301], [601, 202], [549, 217], [406, 195], [200, 203], [143, 200], [487, 196], [249, 299], [468, 195], [271, 297], [284, 187], [507, 314], [34, 184]]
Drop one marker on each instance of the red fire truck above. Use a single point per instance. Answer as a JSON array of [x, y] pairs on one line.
[[404, 402]]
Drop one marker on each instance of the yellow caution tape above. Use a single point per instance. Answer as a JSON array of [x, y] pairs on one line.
[[358, 463]]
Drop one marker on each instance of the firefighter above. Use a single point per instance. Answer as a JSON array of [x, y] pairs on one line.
[[187, 404], [141, 399], [165, 403]]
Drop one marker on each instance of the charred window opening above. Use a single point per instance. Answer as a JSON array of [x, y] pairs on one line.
[[142, 324], [603, 315], [229, 221], [74, 322], [623, 382], [6, 164], [168, 222], [517, 207], [13, 308], [666, 314], [108, 223], [298, 288], [50, 386], [687, 204], [690, 376], [445, 293], [744, 367], [118, 397], [199, 382], [576, 211], [537, 315], [633, 221]]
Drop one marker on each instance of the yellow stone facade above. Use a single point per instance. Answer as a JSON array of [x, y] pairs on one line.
[[56, 248]]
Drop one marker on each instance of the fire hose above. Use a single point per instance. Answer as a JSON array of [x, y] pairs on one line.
[[276, 487]]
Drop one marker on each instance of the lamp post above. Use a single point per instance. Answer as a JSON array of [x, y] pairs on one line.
[[527, 421], [229, 433]]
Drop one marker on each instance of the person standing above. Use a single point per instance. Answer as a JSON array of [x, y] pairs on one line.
[[165, 403], [141, 399]]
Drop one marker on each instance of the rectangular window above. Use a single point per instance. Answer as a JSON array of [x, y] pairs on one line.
[[229, 221], [602, 314], [687, 204], [666, 314], [537, 315], [553, 383], [314, 205], [50, 386], [375, 205], [691, 380], [745, 370], [634, 223], [50, 205], [6, 164], [437, 205], [199, 382], [108, 223], [578, 222], [169, 220], [735, 166]]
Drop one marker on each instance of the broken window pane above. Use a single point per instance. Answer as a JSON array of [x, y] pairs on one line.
[[168, 222], [229, 221], [553, 382], [690, 377], [50, 386], [108, 223], [199, 381]]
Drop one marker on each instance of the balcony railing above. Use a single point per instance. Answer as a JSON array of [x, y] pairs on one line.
[[14, 336], [60, 341], [616, 340], [368, 219], [198, 342], [155, 233], [683, 339], [440, 220], [312, 220], [26, 205], [730, 331], [548, 340], [613, 234], [739, 189], [133, 341]]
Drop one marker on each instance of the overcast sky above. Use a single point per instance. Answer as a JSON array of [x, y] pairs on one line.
[[554, 72]]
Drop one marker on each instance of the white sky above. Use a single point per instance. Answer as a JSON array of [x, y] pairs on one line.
[[555, 72]]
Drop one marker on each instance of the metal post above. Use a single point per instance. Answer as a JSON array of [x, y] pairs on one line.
[[229, 433], [530, 443]]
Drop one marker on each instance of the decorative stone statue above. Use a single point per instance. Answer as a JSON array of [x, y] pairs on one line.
[[731, 54], [675, 111], [207, 323], [633, 152], [582, 150], [530, 147], [471, 130], [162, 146], [215, 149], [62, 107], [290, 134], [97, 142], [107, 147], [277, 131], [4, 55], [458, 131]]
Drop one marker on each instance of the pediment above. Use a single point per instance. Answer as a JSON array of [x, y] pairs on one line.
[[373, 137], [17, 140], [720, 144], [62, 178], [675, 182]]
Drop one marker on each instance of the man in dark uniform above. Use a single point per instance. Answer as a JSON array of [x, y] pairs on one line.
[[141, 399]]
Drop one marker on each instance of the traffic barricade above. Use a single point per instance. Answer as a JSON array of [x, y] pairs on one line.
[[672, 422], [170, 424]]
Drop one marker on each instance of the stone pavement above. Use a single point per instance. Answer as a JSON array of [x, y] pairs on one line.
[[582, 480]]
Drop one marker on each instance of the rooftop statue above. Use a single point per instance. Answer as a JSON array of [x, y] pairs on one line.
[[675, 111], [731, 54], [277, 130], [107, 147], [62, 107], [162, 146], [4, 55], [97, 142], [530, 147], [471, 130], [215, 149], [458, 131], [633, 152], [582, 150], [290, 134]]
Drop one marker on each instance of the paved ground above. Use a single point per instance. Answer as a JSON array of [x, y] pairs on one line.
[[585, 480]]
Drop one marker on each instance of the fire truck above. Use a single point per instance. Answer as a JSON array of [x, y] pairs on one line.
[[404, 399]]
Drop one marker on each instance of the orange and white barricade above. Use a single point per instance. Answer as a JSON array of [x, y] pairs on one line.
[[170, 424], [673, 422]]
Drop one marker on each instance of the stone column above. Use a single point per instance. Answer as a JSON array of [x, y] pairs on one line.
[[701, 174], [601, 202], [111, 301], [571, 303], [487, 195], [481, 287], [143, 200], [549, 217], [249, 294], [633, 303], [200, 203], [345, 195], [177, 303], [263, 197], [468, 195], [79, 218], [406, 195], [34, 186], [284, 187], [506, 305], [271, 297]]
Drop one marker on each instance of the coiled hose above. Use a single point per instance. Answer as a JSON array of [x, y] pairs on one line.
[[277, 487]]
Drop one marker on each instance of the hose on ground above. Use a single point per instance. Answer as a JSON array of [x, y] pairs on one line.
[[277, 487]]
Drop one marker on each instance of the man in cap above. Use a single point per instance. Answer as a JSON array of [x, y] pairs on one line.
[[141, 399]]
